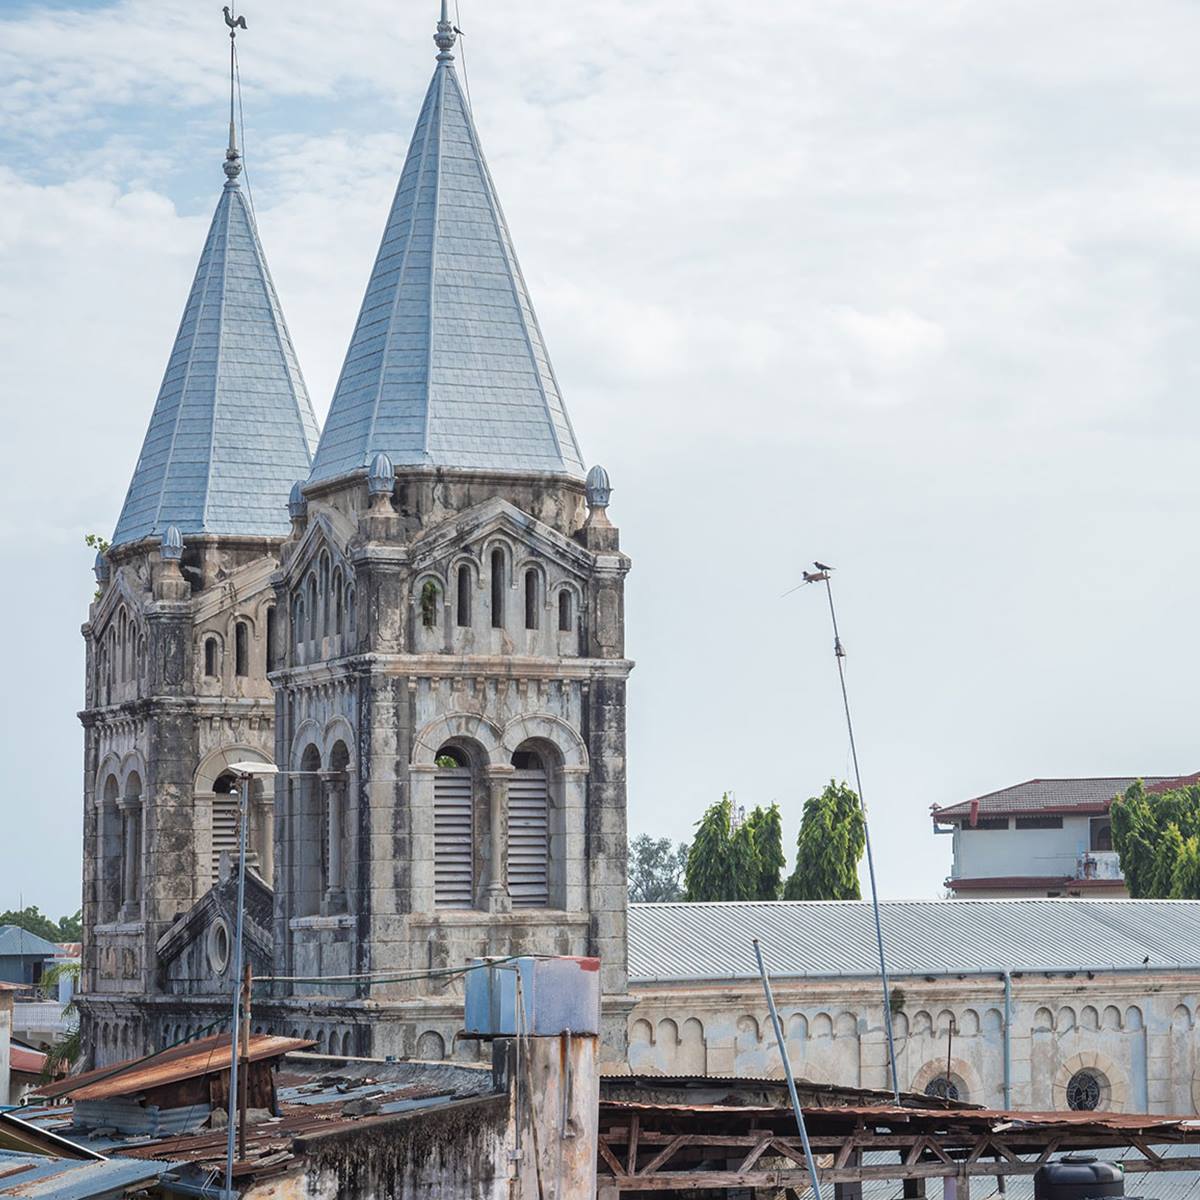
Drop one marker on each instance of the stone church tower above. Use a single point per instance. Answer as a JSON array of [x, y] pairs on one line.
[[450, 680], [177, 646]]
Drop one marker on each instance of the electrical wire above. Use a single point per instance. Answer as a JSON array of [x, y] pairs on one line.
[[237, 74], [386, 977], [462, 53]]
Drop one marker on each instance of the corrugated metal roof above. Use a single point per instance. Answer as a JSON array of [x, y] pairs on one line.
[[829, 939], [18, 942], [233, 427], [1050, 795], [141, 1074], [65, 1179], [447, 365]]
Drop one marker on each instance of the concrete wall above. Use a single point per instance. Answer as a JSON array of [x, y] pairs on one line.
[[1136, 1033], [979, 853]]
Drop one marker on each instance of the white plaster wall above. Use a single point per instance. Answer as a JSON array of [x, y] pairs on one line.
[[1136, 1033], [980, 853]]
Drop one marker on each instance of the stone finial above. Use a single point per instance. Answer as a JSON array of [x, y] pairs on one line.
[[445, 37], [103, 569], [297, 502], [599, 489], [171, 547], [381, 476]]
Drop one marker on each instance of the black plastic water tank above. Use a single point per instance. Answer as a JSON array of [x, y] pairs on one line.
[[1078, 1177]]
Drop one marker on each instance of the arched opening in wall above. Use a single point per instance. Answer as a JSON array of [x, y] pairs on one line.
[[497, 565], [336, 824], [310, 837], [211, 667], [566, 618], [351, 612], [111, 850], [241, 648], [431, 602], [132, 857], [298, 621], [271, 637], [326, 607], [339, 604], [532, 599], [313, 613], [463, 597], [945, 1087], [224, 821], [453, 830], [529, 831]]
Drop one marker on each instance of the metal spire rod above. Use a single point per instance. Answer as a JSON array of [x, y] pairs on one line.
[[232, 165], [822, 576]]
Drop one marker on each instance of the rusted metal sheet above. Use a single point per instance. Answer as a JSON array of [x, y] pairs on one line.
[[206, 1058]]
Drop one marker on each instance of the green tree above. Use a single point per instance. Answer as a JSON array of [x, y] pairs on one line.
[[70, 929], [828, 847], [64, 1053], [656, 867], [722, 863], [766, 830], [1157, 838]]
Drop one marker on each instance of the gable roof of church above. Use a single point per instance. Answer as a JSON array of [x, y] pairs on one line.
[[233, 427], [447, 366]]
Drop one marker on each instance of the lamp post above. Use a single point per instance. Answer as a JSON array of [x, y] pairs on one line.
[[245, 771]]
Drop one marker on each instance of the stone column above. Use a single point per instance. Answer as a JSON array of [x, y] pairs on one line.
[[335, 893], [496, 897], [129, 850]]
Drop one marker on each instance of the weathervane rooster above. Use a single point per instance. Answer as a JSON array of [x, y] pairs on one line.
[[232, 21]]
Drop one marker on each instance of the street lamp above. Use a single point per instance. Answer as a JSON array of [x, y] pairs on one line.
[[245, 771]]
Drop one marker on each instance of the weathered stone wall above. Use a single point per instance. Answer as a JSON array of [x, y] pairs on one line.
[[1136, 1033]]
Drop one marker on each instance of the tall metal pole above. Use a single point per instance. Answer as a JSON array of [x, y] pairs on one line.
[[236, 975], [840, 654], [787, 1071]]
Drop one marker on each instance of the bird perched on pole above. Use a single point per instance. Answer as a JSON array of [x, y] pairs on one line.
[[232, 21], [821, 566]]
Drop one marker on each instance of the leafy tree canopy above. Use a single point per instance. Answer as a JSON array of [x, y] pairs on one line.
[[32, 919], [728, 863], [656, 867], [828, 847], [1157, 838]]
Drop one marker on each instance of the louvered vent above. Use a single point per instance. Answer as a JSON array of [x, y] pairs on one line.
[[225, 833], [528, 840], [453, 839]]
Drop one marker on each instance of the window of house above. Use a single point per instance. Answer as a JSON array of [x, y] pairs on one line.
[[1039, 822], [528, 832], [497, 589], [531, 599], [564, 611], [1101, 834], [463, 598], [453, 831], [989, 823], [210, 657], [241, 648]]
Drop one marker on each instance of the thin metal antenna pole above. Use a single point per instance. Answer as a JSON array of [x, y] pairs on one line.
[[787, 1071], [236, 976], [840, 654]]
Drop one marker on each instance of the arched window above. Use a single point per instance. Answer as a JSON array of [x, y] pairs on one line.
[[497, 589], [463, 599], [531, 599], [942, 1087], [351, 611], [271, 637], [326, 597], [565, 616], [339, 611], [131, 857], [298, 620], [453, 831], [431, 597], [313, 613], [1083, 1091], [528, 832], [241, 648], [210, 657]]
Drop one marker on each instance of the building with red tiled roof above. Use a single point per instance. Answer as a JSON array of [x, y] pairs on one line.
[[1044, 837]]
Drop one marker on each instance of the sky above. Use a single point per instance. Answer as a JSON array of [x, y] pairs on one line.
[[910, 289]]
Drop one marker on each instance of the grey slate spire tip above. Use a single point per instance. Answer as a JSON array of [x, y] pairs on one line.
[[445, 37]]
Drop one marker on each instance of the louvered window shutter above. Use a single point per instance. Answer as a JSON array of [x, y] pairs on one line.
[[528, 840], [225, 833], [453, 839]]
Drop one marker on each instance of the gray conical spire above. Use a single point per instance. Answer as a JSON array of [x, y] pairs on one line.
[[233, 426], [447, 366]]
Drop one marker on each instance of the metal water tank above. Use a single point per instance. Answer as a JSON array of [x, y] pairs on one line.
[[1078, 1177]]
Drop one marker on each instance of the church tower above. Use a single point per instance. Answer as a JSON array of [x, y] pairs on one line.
[[178, 640], [450, 689]]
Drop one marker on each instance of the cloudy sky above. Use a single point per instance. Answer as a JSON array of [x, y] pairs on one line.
[[909, 288]]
